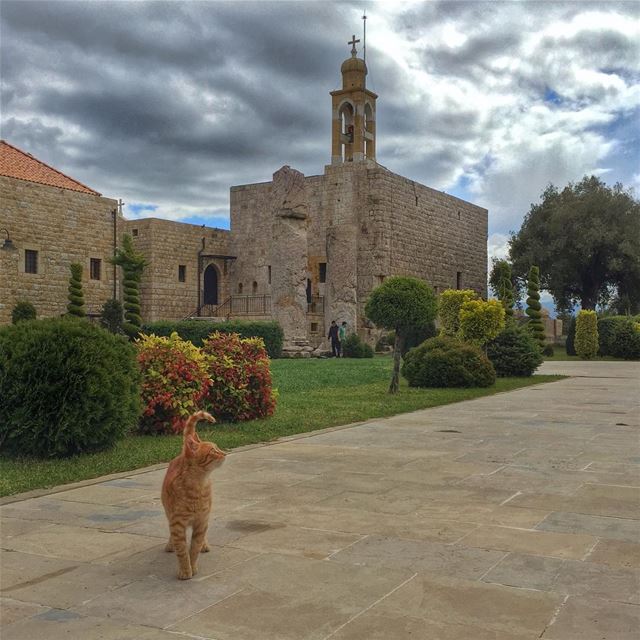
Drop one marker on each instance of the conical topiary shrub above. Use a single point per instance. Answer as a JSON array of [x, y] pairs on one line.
[[586, 340], [535, 325], [505, 288], [76, 297], [133, 264]]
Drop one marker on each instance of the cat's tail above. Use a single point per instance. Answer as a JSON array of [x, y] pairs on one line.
[[192, 421]]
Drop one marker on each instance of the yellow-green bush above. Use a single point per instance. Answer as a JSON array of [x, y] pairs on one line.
[[481, 320], [449, 304], [586, 340]]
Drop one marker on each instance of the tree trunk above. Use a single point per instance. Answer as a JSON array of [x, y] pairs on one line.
[[397, 356]]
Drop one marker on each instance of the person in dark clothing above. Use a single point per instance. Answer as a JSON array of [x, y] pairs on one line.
[[335, 341]]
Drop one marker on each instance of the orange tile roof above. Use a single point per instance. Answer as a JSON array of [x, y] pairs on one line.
[[15, 163]]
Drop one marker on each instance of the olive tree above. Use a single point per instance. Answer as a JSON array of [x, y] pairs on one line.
[[401, 304]]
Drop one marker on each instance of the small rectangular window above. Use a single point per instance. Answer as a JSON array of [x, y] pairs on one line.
[[30, 261], [182, 273], [269, 274], [458, 279], [134, 232], [314, 327], [323, 272], [95, 266]]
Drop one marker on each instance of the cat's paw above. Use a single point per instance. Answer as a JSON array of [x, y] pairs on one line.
[[185, 574], [194, 569], [168, 547], [205, 548]]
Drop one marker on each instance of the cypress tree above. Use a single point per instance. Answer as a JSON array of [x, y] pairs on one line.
[[76, 297], [504, 288], [133, 264], [535, 324]]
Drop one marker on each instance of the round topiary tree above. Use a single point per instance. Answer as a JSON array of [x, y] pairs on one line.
[[586, 341], [76, 297], [133, 264], [535, 324], [67, 387], [447, 362], [23, 310], [401, 304], [514, 352]]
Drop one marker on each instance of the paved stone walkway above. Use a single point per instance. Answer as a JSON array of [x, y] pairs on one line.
[[505, 518]]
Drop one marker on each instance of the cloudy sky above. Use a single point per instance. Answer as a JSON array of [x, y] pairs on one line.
[[167, 104]]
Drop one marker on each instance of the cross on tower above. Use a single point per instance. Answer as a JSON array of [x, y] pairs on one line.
[[353, 42]]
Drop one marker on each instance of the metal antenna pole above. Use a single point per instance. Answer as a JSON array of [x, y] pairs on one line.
[[364, 38]]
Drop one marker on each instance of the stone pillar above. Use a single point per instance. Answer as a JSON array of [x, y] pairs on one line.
[[289, 260], [341, 298]]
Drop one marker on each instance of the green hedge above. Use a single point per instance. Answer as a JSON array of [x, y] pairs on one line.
[[66, 387], [514, 352], [606, 331], [626, 340], [354, 347], [198, 330], [447, 362]]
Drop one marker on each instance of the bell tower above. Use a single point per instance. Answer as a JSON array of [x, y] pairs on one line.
[[353, 131]]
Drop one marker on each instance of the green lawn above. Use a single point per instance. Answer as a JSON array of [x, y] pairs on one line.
[[313, 394]]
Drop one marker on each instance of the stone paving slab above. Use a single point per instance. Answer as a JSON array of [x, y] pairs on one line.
[[510, 517]]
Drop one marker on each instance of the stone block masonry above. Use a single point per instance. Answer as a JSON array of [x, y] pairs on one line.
[[62, 227], [173, 283], [364, 223]]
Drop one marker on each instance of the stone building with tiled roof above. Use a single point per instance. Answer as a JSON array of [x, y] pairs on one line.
[[48, 221], [304, 250]]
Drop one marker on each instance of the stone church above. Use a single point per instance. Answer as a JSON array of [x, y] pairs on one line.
[[303, 250]]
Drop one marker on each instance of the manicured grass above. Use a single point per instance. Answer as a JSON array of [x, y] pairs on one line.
[[313, 394]]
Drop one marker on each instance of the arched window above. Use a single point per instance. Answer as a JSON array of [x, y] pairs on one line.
[[239, 287], [347, 130], [254, 287]]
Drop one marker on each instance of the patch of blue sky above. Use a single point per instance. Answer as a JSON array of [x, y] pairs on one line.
[[218, 222], [139, 207], [460, 190], [552, 97]]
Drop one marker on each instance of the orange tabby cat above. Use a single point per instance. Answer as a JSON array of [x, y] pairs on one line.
[[186, 495]]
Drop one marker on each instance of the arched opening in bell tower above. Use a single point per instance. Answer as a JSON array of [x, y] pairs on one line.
[[347, 131], [369, 132]]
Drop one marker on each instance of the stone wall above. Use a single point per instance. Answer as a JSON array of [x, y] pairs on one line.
[[63, 226], [372, 224], [167, 245]]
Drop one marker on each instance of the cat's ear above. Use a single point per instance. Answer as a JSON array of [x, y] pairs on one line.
[[191, 445]]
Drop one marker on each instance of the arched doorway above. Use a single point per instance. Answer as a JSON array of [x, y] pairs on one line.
[[210, 285]]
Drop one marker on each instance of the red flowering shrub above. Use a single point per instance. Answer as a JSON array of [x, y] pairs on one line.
[[175, 382], [241, 386]]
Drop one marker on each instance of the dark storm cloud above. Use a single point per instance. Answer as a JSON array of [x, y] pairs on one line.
[[170, 103], [147, 90]]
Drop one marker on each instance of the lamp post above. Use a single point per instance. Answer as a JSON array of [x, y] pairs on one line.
[[7, 245]]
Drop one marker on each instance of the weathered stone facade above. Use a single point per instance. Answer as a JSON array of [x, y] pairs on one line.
[[179, 254], [63, 226], [305, 252], [365, 223]]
